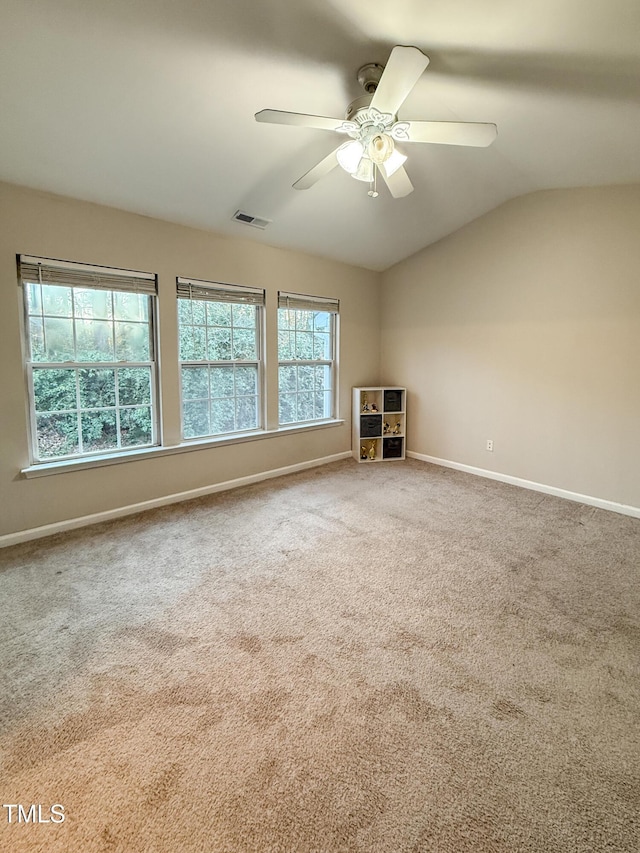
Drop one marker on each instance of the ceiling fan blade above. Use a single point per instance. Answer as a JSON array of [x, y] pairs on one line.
[[319, 171], [401, 73], [478, 134], [399, 183], [302, 120]]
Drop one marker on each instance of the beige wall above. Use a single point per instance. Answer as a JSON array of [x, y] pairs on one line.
[[524, 327], [51, 226]]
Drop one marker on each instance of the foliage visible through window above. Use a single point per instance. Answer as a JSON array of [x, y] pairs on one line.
[[91, 370], [219, 366], [305, 371]]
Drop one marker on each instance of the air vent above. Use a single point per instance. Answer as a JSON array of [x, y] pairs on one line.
[[248, 219]]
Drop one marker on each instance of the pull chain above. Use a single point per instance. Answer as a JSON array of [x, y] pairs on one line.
[[373, 191]]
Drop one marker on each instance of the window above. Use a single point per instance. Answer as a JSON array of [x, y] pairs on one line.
[[90, 359], [220, 363], [306, 358]]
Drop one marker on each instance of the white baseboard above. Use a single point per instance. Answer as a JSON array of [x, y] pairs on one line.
[[611, 506], [119, 512]]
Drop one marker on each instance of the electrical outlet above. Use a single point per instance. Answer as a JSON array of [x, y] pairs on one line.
[[489, 444]]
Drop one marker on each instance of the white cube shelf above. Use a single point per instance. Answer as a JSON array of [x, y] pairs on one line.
[[379, 423]]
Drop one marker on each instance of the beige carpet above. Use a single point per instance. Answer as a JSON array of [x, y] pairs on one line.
[[392, 658]]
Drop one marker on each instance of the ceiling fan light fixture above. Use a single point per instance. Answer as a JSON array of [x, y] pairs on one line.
[[349, 155], [365, 171], [380, 148], [395, 161]]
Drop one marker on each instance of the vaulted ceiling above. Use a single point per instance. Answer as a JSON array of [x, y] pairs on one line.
[[148, 106]]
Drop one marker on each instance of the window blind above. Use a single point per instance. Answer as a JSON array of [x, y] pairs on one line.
[[302, 302], [211, 291], [66, 273]]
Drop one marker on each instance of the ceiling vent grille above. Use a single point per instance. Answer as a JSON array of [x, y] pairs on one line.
[[248, 219]]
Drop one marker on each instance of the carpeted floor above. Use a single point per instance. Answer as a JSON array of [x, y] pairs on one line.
[[392, 658]]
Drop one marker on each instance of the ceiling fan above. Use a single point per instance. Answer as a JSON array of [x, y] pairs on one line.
[[372, 123]]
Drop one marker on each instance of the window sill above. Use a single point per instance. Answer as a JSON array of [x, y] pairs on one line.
[[46, 468]]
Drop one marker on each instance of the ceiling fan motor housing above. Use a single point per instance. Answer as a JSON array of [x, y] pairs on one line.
[[366, 121], [357, 106]]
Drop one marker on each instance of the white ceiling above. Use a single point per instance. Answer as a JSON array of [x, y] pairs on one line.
[[148, 105]]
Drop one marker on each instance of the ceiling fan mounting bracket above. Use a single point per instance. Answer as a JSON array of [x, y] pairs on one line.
[[369, 76]]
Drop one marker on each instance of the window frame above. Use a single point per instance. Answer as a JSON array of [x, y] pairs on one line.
[[79, 276], [231, 294], [313, 304]]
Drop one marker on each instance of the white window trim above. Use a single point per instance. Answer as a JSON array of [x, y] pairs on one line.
[[210, 291], [45, 469], [303, 302], [147, 282], [92, 365], [34, 269]]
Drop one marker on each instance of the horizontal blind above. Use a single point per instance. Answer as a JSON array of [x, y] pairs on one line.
[[302, 302], [211, 291], [66, 273]]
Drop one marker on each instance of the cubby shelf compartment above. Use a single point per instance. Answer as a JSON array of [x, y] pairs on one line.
[[378, 423]]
